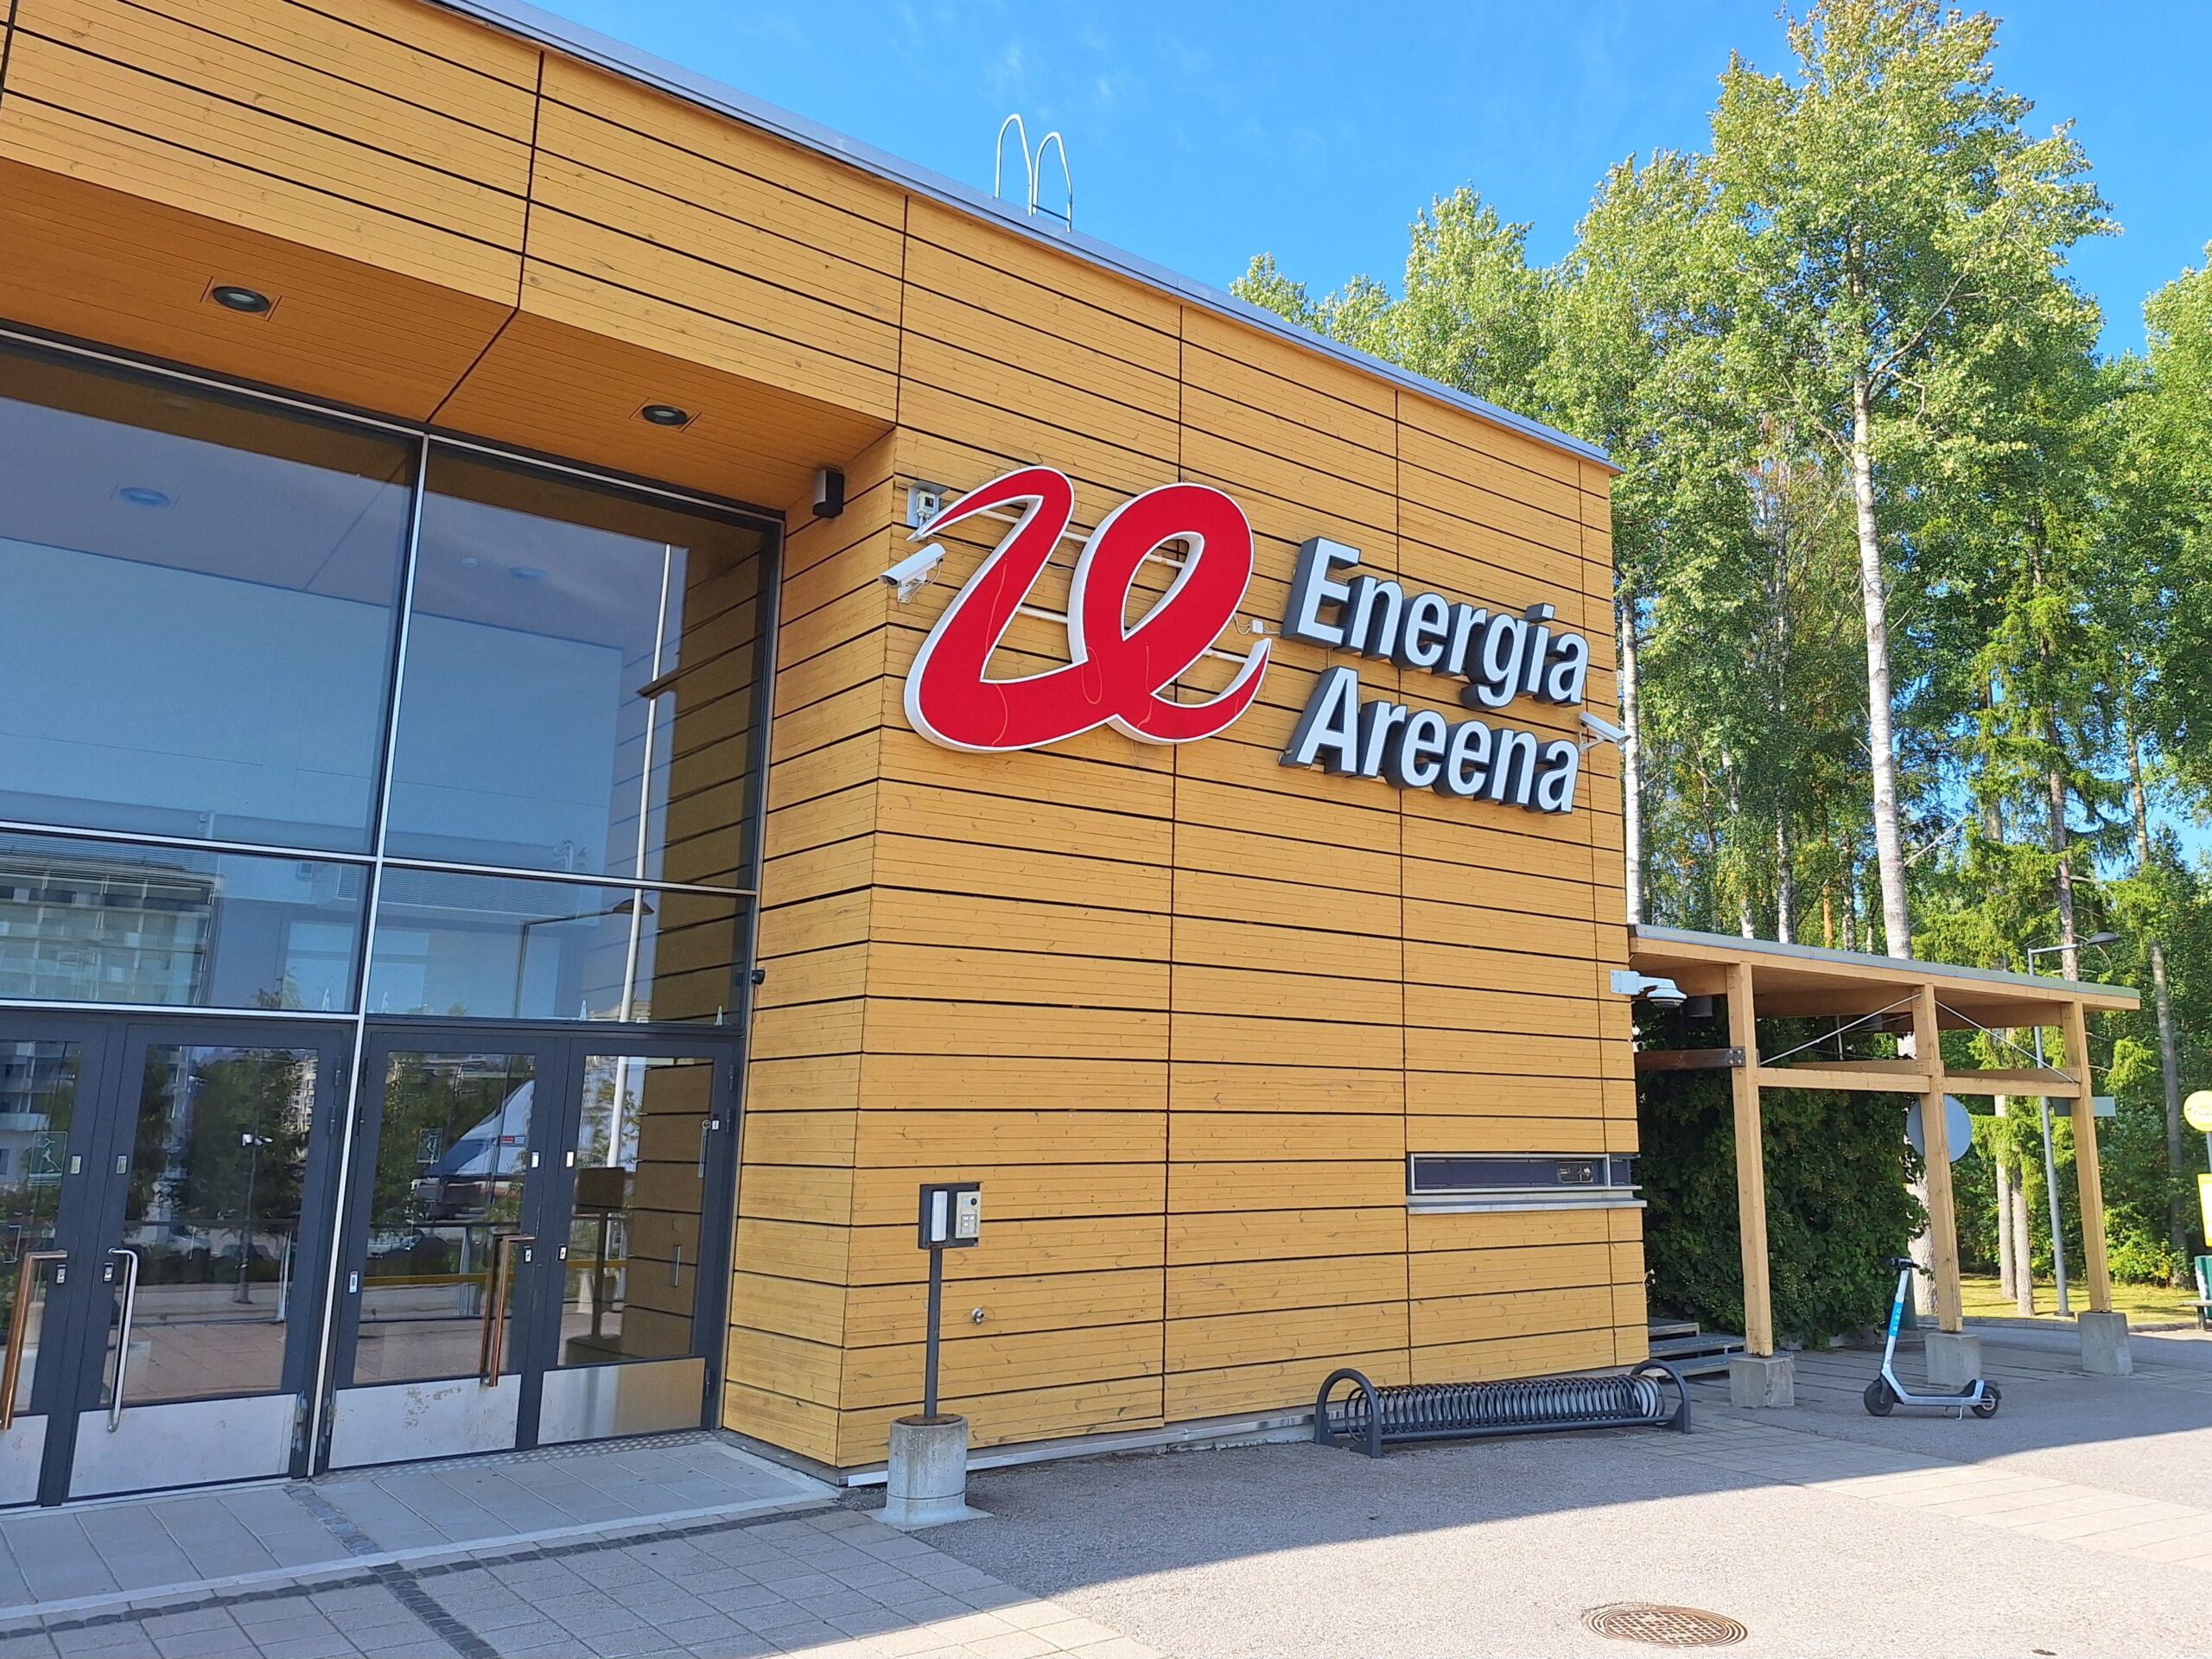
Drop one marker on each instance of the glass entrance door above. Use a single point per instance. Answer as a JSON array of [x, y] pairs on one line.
[[525, 1265], [164, 1189]]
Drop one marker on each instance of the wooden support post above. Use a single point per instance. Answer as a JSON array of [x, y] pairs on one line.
[[1750, 1166], [2089, 1176], [1936, 1138]]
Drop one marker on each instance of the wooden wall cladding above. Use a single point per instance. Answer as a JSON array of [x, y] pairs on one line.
[[1183, 1011]]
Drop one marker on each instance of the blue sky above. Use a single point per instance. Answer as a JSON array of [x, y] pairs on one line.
[[1201, 134]]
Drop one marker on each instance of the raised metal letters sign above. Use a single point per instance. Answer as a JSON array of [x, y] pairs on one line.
[[1121, 674]]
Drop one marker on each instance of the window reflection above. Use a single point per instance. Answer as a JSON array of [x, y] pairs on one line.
[[38, 1103], [201, 597], [634, 1238], [218, 1170], [90, 921], [510, 948], [452, 1165], [571, 651], [200, 632]]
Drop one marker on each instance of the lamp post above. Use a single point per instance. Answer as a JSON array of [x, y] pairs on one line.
[[2050, 1163]]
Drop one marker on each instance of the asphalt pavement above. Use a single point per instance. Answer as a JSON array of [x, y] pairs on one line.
[[1823, 1532]]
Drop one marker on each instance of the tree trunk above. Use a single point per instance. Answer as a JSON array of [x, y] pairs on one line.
[[1631, 762], [2005, 1262], [2169, 1055], [1881, 737], [2024, 1243], [2069, 953], [1737, 844], [1785, 883]]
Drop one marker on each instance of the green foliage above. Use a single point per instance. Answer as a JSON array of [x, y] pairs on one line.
[[1837, 1208], [1917, 590]]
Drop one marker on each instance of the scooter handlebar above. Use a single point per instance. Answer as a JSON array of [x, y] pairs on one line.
[[1897, 1263]]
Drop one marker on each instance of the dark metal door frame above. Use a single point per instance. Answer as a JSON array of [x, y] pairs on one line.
[[559, 1052], [78, 1317], [549, 1082]]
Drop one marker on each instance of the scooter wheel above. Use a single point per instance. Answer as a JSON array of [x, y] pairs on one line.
[[1880, 1398], [1991, 1399]]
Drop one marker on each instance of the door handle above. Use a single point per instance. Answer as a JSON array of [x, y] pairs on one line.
[[122, 1338], [493, 1350], [26, 1276]]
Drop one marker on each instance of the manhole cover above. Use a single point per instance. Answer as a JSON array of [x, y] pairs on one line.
[[1663, 1627]]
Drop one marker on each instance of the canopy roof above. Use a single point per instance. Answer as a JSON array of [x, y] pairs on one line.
[[1796, 981], [1762, 980]]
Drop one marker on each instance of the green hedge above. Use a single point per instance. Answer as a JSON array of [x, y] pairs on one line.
[[1837, 1165]]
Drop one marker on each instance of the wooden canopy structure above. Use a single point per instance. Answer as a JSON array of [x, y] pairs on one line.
[[1764, 979]]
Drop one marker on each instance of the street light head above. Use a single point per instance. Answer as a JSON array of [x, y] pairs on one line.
[[2103, 938]]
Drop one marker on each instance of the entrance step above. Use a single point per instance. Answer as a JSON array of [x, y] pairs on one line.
[[86, 1557], [1697, 1353]]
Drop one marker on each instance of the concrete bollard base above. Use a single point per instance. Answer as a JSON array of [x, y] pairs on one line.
[[1954, 1358], [1760, 1380], [928, 1483], [2105, 1351]]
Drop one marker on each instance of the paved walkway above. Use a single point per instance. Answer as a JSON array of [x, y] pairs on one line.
[[88, 1555], [2118, 1523], [1831, 1534], [2078, 1520], [681, 1545], [1804, 1448]]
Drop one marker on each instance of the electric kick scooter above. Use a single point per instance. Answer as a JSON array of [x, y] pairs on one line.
[[1884, 1392]]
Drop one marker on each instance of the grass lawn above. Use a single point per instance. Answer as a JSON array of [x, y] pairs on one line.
[[2143, 1304]]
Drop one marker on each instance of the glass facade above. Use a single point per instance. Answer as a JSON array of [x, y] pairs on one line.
[[201, 599], [265, 674], [128, 923]]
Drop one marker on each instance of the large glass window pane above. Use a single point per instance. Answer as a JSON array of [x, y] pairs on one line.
[[578, 682], [200, 605], [218, 1166], [490, 947], [634, 1238], [92, 921], [453, 1159]]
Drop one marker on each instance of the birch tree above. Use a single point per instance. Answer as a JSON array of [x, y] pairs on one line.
[[1900, 220]]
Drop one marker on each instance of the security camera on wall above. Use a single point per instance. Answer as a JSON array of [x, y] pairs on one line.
[[1649, 988], [1601, 731], [910, 573]]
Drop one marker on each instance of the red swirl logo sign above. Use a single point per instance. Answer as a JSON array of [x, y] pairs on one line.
[[1116, 673]]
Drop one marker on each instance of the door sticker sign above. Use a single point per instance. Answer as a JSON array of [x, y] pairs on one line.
[[1115, 673], [1118, 674]]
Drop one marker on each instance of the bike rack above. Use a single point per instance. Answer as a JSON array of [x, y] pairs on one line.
[[1449, 1411]]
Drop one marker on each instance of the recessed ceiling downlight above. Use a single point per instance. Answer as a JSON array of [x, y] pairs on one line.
[[247, 301], [664, 415]]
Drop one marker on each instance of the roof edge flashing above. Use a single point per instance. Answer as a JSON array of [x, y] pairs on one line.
[[1909, 965], [618, 57]]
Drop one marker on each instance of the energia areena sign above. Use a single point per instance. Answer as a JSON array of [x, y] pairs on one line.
[[1119, 674]]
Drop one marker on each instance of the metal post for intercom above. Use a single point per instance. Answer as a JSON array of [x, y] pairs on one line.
[[926, 1480], [952, 1218], [937, 1308]]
